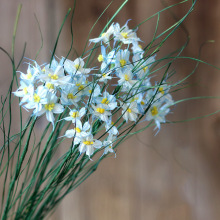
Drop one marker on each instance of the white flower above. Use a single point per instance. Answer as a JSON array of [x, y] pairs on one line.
[[100, 112], [37, 99], [51, 107], [108, 144], [25, 91], [122, 59], [126, 79], [55, 77], [106, 59], [94, 90], [157, 112], [76, 67], [130, 111], [109, 60], [163, 94], [135, 97], [70, 95], [142, 102], [88, 145], [108, 101], [137, 48], [124, 34], [78, 132], [75, 115], [54, 64], [110, 128], [32, 73], [105, 77], [82, 86], [142, 65], [105, 37], [102, 57]]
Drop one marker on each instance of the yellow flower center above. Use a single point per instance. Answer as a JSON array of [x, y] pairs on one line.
[[75, 114], [78, 130], [129, 110], [54, 77], [154, 111], [139, 46], [100, 110], [122, 62], [49, 107], [103, 34], [88, 142], [71, 96], [124, 35], [112, 123], [29, 75], [126, 77], [49, 85], [105, 101], [36, 98], [81, 87], [100, 58], [25, 90], [104, 75], [145, 68], [77, 66], [161, 90], [142, 103]]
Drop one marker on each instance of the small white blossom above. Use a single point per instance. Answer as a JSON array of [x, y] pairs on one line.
[[163, 94], [105, 77], [94, 92], [37, 99], [126, 79], [142, 65], [75, 115], [70, 95], [32, 74], [100, 112], [124, 34], [78, 132], [55, 77], [108, 144], [88, 145], [108, 101], [25, 91], [76, 67], [137, 48], [105, 37], [50, 108], [157, 112], [130, 111], [122, 59], [111, 128]]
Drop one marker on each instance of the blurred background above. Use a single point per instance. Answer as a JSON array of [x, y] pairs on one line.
[[173, 175]]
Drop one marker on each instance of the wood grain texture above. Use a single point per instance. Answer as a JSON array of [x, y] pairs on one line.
[[172, 176]]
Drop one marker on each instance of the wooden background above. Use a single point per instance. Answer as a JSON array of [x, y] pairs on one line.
[[172, 176]]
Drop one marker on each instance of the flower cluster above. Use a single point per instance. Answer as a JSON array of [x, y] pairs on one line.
[[125, 69]]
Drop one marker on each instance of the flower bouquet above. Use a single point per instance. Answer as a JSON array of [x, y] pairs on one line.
[[95, 100]]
